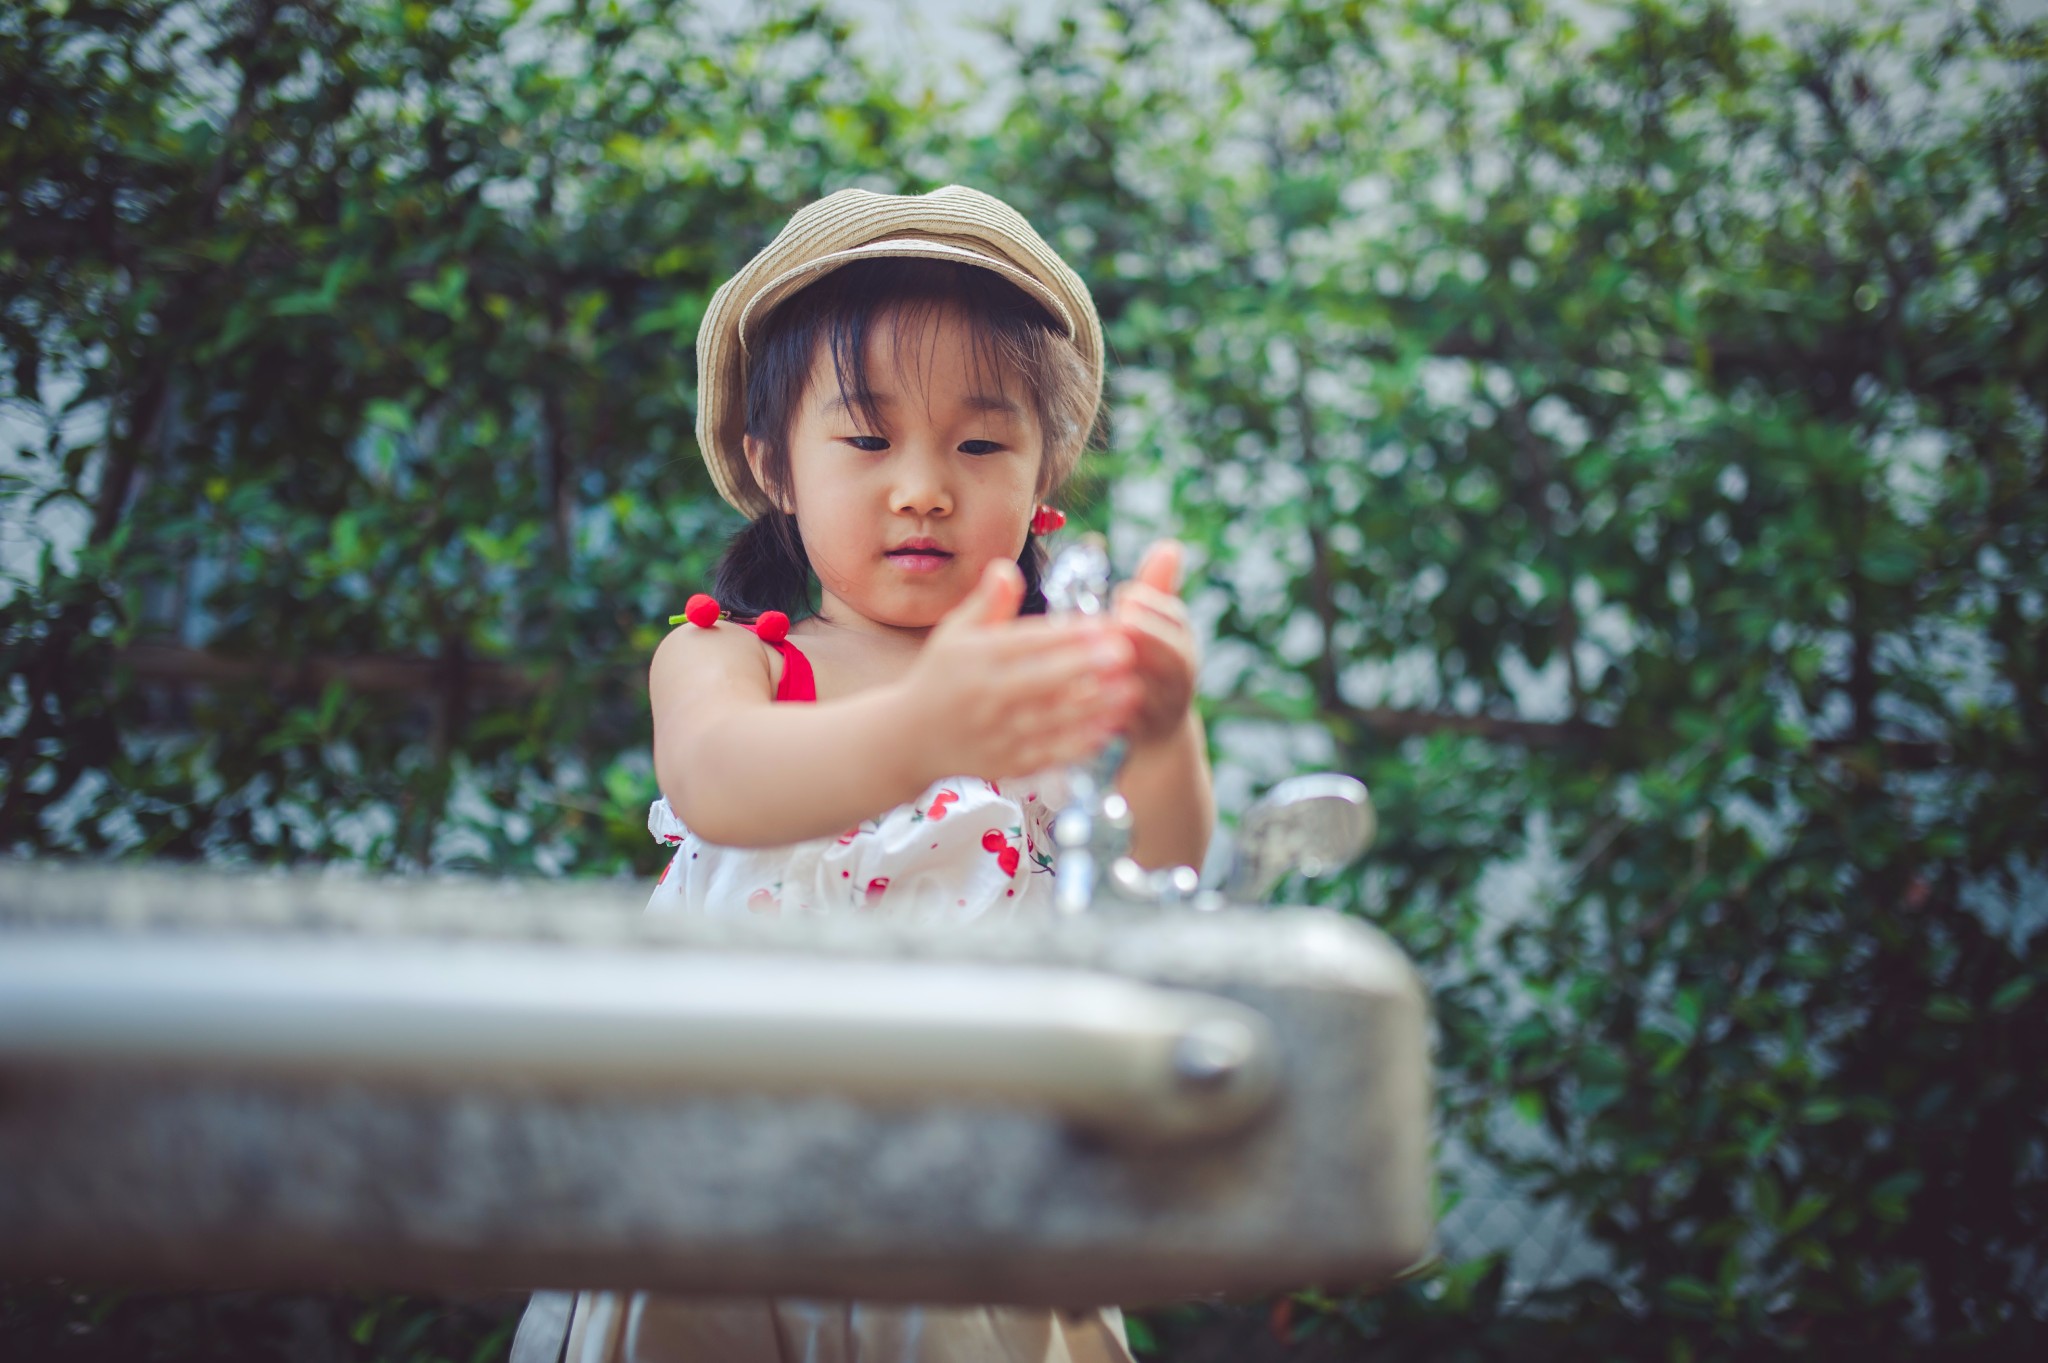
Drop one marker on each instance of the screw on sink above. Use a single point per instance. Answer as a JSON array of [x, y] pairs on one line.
[[1210, 1052]]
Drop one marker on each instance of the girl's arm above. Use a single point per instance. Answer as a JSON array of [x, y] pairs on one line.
[[1166, 774], [1173, 807], [989, 695]]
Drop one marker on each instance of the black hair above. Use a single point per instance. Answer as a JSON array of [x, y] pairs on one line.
[[765, 566]]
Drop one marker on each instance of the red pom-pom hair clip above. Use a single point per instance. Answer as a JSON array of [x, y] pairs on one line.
[[703, 612], [1047, 519]]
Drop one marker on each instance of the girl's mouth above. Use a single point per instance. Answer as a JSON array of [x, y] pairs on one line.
[[919, 556]]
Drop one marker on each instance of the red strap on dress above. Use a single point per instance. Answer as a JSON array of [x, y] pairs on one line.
[[797, 682]]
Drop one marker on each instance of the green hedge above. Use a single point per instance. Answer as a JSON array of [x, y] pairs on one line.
[[1624, 446]]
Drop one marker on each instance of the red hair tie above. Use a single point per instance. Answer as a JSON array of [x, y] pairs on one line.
[[1047, 519], [703, 611]]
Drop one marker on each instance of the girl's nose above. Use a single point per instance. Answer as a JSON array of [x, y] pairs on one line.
[[923, 487]]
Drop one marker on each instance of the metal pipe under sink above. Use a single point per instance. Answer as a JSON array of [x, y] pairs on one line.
[[1117, 1058]]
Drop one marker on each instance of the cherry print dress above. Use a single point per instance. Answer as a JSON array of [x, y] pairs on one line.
[[967, 849]]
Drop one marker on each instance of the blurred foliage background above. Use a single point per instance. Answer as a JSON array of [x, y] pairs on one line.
[[1618, 433]]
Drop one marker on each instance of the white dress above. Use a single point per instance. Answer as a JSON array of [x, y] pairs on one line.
[[967, 850]]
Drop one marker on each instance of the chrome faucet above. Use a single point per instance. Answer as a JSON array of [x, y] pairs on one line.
[[1313, 824], [1093, 827]]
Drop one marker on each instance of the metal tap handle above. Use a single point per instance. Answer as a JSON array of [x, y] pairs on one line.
[[1311, 824]]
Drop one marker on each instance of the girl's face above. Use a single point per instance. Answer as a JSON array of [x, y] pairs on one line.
[[901, 515]]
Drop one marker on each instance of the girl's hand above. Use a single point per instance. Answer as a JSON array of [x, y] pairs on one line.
[[1155, 620], [991, 695]]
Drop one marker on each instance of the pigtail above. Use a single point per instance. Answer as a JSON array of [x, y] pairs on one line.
[[765, 568], [1033, 561]]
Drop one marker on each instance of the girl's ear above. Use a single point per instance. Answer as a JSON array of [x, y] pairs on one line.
[[757, 461], [1048, 473], [1056, 466]]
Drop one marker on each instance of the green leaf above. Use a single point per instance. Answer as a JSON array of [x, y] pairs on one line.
[[1948, 1008], [1686, 1290], [2012, 994], [310, 304], [1891, 566], [1890, 1199], [1593, 1099], [1813, 1254], [391, 416], [347, 538], [1686, 1006], [1803, 1213], [1769, 1201], [1806, 965]]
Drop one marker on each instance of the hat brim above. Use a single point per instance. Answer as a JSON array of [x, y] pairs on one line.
[[811, 271]]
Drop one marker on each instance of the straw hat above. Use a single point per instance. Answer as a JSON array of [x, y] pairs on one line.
[[954, 223]]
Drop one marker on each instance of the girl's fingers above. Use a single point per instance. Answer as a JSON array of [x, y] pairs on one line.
[[1150, 632], [1154, 623], [1163, 651], [1136, 593], [1160, 568], [1076, 746], [1083, 712], [1079, 712], [1077, 742], [1094, 706], [1151, 626], [1059, 663], [1032, 633], [995, 597]]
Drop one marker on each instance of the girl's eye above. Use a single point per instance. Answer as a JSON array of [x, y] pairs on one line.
[[979, 447], [873, 444]]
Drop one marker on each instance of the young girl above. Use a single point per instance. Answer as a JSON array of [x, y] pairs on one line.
[[895, 391]]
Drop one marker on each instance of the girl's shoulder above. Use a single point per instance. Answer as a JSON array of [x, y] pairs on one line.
[[727, 657]]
